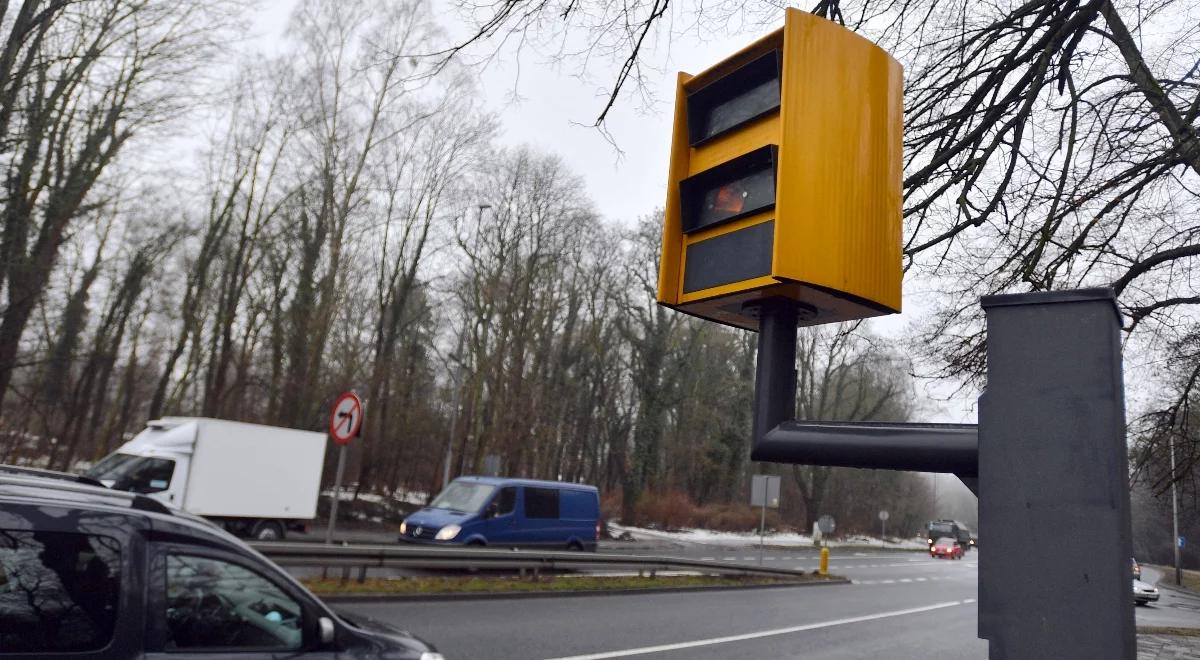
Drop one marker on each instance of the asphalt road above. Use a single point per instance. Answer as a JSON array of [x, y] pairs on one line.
[[1173, 609], [901, 605]]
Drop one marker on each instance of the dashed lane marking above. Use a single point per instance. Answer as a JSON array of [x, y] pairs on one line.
[[662, 648]]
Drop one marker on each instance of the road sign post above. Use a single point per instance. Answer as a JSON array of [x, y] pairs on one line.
[[345, 422], [764, 492], [883, 517]]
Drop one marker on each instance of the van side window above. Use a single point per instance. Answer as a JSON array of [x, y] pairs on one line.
[[506, 501], [541, 503]]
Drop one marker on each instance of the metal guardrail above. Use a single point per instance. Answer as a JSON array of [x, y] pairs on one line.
[[364, 557]]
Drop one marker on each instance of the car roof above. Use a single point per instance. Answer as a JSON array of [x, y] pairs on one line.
[[59, 488], [506, 481]]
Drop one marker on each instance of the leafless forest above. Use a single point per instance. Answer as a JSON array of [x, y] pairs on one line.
[[190, 231]]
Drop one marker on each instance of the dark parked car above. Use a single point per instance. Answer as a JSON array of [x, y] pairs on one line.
[[97, 573]]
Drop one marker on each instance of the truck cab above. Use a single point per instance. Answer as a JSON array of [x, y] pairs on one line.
[[255, 480]]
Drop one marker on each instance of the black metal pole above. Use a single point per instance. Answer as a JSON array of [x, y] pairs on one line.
[[778, 438], [775, 373]]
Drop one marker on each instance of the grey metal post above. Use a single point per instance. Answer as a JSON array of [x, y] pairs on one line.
[[337, 493], [762, 530], [1053, 474]]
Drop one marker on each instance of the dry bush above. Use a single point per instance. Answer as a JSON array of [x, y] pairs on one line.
[[734, 518], [671, 509]]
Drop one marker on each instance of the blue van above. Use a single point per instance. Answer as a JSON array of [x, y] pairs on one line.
[[509, 513]]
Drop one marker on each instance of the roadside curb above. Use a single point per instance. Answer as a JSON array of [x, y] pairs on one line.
[[454, 597]]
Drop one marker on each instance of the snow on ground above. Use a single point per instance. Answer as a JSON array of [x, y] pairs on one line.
[[710, 537], [415, 497]]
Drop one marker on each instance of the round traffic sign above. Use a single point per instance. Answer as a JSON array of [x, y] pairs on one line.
[[826, 524], [346, 419], [883, 515]]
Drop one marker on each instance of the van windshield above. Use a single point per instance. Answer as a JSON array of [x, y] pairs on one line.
[[463, 497]]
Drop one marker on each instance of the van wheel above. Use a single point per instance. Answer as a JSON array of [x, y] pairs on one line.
[[267, 530], [575, 546]]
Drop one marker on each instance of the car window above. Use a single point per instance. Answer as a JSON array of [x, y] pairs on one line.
[[506, 501], [217, 604], [541, 503], [58, 591]]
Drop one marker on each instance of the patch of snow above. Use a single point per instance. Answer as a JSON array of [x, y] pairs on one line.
[[414, 497], [710, 537]]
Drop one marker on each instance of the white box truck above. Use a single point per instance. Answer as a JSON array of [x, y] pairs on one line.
[[257, 481]]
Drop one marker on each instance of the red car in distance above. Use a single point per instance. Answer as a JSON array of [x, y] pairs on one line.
[[947, 548]]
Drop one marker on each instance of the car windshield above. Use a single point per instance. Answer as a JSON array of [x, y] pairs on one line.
[[137, 474], [463, 496]]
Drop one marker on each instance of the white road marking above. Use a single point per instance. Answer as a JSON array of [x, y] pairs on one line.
[[764, 633], [905, 579], [708, 559]]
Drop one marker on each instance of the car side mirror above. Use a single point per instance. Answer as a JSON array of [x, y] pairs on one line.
[[326, 630]]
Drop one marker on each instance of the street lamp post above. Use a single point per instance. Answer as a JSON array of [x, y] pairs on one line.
[[1175, 512], [455, 397]]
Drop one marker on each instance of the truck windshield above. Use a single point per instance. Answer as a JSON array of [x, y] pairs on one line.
[[465, 497], [137, 474], [938, 530]]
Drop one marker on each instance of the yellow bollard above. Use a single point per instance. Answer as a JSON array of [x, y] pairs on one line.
[[824, 561]]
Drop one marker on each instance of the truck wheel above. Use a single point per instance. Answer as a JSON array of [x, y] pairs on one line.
[[267, 530]]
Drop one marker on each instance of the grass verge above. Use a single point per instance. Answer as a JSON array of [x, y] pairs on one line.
[[1168, 630], [508, 584]]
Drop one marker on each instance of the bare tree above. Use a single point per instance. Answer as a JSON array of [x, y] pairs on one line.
[[843, 376], [79, 79]]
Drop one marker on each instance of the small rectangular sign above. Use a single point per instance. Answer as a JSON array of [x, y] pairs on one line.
[[764, 489]]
